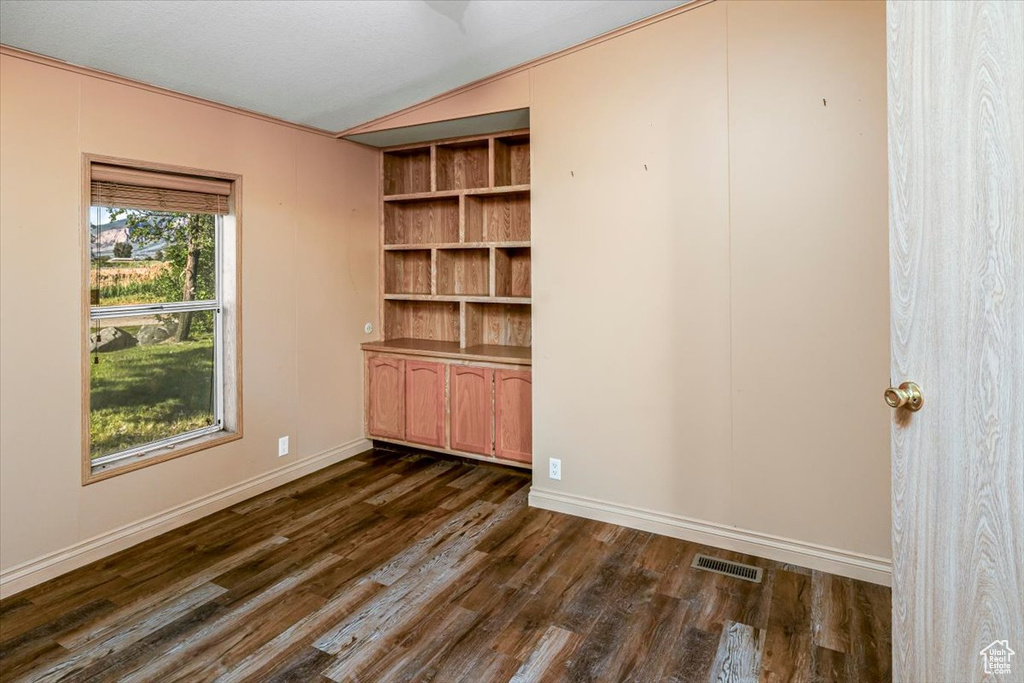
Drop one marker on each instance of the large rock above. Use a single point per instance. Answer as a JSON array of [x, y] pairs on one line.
[[111, 339], [153, 334]]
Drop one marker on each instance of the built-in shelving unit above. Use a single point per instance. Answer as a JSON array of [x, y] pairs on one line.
[[451, 372], [455, 257]]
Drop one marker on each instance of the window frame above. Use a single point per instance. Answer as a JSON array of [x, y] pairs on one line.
[[227, 333]]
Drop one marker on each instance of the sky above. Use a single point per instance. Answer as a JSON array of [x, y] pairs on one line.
[[99, 215]]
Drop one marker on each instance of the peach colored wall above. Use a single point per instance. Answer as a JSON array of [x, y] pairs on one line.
[[504, 94], [711, 270], [309, 285], [711, 323], [810, 271], [630, 151], [710, 257], [711, 317]]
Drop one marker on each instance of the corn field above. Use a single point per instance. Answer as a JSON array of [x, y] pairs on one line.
[[135, 279]]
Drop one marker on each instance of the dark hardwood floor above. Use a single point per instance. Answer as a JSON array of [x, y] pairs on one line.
[[398, 567]]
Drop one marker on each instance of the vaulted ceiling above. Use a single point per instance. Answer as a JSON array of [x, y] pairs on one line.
[[331, 64]]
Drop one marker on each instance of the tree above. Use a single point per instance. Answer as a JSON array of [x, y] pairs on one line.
[[190, 243], [123, 250]]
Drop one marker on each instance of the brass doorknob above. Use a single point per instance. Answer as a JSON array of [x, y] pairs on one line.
[[907, 395]]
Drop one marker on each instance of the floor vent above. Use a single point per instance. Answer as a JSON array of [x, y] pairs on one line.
[[740, 571]]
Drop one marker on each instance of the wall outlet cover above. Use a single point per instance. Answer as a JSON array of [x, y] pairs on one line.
[[282, 446], [554, 468]]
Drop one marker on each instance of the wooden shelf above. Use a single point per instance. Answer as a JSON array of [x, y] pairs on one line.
[[455, 258], [457, 245], [444, 194], [459, 297], [512, 355]]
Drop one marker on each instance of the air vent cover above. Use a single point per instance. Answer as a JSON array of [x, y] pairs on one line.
[[740, 571]]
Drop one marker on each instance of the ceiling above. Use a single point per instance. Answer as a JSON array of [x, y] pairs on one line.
[[331, 64]]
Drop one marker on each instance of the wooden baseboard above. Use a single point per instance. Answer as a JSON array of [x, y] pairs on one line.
[[833, 560], [27, 574]]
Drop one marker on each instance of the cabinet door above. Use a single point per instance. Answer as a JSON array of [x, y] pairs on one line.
[[385, 404], [472, 409], [513, 415], [424, 403]]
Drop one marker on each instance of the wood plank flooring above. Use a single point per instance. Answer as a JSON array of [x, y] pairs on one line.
[[408, 567]]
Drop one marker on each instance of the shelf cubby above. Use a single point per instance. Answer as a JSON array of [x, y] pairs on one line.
[[463, 271], [512, 160], [498, 218], [426, 320], [407, 171], [462, 165], [407, 272], [497, 324], [512, 272], [421, 221]]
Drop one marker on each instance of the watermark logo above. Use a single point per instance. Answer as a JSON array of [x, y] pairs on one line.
[[997, 658]]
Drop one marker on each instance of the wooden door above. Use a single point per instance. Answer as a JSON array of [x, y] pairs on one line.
[[472, 409], [956, 200], [424, 403], [385, 403], [513, 415]]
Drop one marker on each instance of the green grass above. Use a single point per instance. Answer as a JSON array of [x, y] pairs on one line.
[[146, 393]]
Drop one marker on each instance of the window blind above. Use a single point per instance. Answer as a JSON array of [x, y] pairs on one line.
[[133, 188]]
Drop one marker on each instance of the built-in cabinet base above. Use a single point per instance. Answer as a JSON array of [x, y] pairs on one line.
[[476, 410]]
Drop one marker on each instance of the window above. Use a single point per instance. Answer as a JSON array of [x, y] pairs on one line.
[[162, 346]]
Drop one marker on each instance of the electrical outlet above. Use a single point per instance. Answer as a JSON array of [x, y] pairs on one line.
[[282, 446], [554, 468]]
